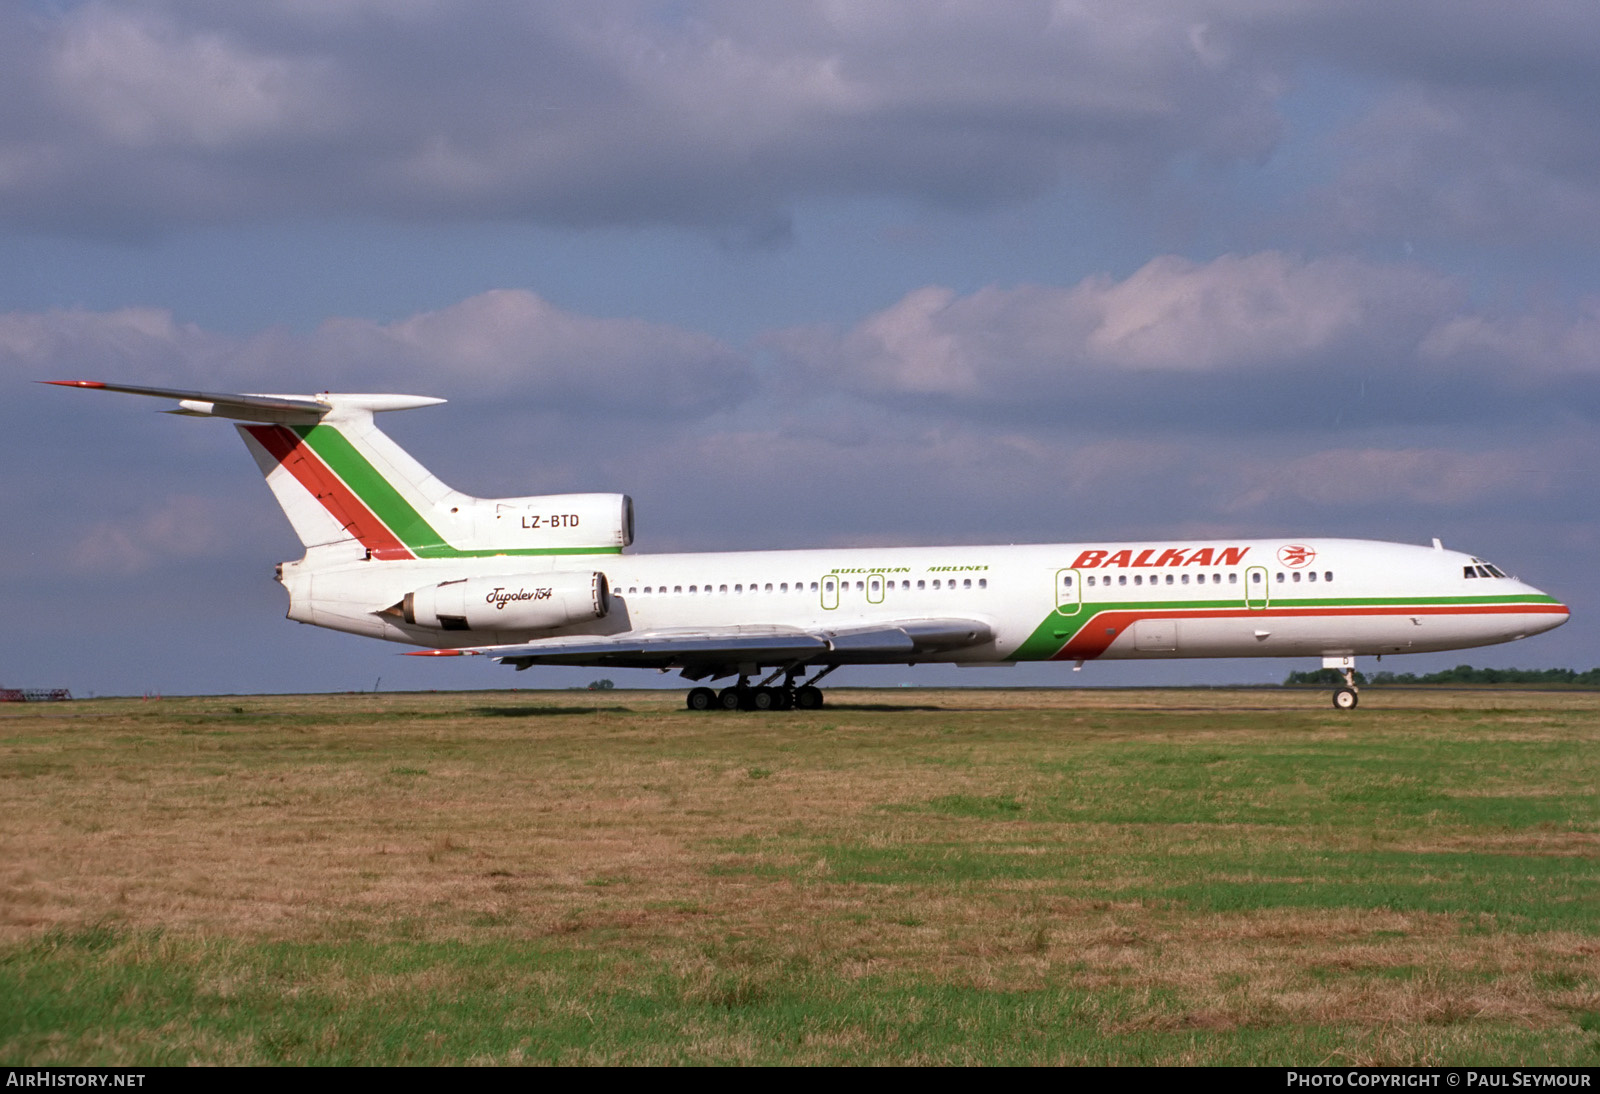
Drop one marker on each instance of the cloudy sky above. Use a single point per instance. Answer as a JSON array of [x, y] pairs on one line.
[[793, 275]]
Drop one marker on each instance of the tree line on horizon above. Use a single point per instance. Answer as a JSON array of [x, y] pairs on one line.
[[1461, 674]]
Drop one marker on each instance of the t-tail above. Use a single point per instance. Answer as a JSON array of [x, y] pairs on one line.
[[347, 488]]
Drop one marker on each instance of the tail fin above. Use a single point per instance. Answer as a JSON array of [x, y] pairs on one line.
[[341, 480]]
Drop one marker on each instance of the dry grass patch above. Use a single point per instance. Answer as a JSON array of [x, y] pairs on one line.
[[939, 876]]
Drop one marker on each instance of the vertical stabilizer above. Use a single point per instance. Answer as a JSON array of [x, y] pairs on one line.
[[341, 480]]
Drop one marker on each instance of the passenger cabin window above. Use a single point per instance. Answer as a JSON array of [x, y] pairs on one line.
[[983, 583]]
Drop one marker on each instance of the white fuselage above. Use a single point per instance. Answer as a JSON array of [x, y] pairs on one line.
[[1242, 598]]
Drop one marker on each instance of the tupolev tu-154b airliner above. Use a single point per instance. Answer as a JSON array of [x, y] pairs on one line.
[[394, 553]]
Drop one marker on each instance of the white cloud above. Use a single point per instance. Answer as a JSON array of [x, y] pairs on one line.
[[501, 343], [1260, 309], [179, 527], [716, 114], [142, 344], [1265, 312], [137, 79], [1432, 477], [137, 114], [1536, 346]]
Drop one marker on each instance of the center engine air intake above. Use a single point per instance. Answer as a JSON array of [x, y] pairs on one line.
[[516, 602]]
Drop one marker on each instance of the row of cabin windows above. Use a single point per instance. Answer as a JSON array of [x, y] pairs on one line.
[[799, 587], [1199, 579]]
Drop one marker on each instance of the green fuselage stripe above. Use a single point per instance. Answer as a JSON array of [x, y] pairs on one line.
[[390, 506], [1058, 628]]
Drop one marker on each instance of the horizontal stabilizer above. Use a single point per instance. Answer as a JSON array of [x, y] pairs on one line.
[[260, 407]]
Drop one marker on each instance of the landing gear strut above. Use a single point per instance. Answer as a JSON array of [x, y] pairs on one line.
[[1347, 697]]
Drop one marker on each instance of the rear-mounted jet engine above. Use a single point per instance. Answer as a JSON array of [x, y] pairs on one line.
[[516, 602]]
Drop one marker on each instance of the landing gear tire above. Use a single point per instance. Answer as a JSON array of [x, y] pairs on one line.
[[701, 699], [763, 699], [730, 699], [1346, 699], [807, 697]]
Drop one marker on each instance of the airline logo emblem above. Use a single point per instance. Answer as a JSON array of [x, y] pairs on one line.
[[1296, 555], [1161, 556]]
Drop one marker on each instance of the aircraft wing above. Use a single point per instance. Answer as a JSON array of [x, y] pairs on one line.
[[719, 651]]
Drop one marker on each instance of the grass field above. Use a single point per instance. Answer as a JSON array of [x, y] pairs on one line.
[[905, 876]]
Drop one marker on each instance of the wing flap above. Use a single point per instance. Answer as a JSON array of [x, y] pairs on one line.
[[766, 646]]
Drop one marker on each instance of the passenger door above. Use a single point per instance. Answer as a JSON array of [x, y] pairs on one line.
[[1069, 592], [1257, 587]]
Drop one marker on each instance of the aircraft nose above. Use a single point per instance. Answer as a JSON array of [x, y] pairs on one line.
[[1551, 614]]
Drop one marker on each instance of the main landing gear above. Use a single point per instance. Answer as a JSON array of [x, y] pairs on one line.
[[788, 695]]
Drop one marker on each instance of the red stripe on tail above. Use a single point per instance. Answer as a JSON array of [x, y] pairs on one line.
[[309, 470]]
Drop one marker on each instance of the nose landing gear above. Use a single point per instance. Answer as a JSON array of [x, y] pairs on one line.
[[1347, 697]]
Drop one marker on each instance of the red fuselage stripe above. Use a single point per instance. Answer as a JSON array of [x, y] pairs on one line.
[[309, 470], [1106, 627]]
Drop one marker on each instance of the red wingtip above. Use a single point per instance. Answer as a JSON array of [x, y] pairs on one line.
[[436, 653], [74, 383]]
